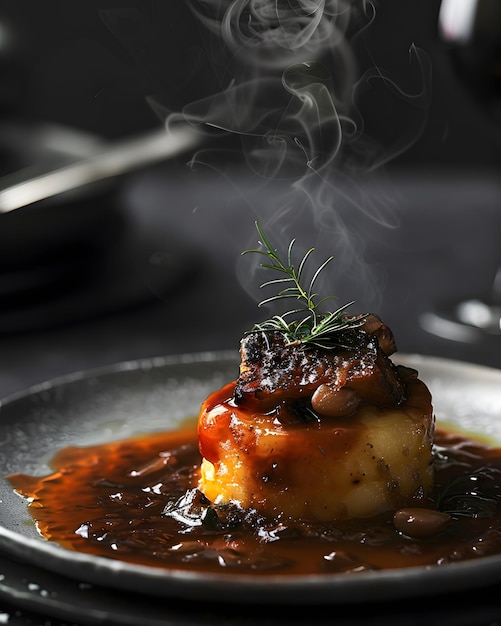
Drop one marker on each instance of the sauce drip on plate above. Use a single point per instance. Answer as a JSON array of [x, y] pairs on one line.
[[136, 500]]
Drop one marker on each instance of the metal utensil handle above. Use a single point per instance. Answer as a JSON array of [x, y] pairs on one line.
[[117, 159]]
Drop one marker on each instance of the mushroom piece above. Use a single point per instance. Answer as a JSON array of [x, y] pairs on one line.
[[375, 326], [331, 402], [419, 522]]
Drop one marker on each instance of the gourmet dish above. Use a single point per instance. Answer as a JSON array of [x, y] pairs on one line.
[[320, 424], [321, 456]]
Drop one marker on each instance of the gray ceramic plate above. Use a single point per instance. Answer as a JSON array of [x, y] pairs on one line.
[[133, 397]]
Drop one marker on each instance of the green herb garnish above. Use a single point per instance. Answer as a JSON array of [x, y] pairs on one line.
[[314, 328]]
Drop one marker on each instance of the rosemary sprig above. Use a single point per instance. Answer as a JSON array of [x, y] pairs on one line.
[[308, 325]]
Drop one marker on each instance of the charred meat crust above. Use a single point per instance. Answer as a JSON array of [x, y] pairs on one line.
[[272, 369]]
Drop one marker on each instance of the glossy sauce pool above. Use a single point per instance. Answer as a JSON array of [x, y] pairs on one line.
[[136, 500]]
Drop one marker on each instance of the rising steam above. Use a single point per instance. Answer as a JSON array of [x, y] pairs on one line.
[[292, 83]]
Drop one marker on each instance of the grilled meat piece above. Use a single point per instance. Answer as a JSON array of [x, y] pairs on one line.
[[271, 369], [320, 434]]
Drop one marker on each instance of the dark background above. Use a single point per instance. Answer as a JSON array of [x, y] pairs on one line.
[[148, 266], [61, 62]]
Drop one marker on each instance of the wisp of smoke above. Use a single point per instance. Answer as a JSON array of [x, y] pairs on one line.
[[291, 83]]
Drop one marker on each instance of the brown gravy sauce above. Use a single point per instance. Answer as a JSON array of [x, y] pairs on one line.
[[136, 500]]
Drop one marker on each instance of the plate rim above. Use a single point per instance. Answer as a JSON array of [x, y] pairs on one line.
[[321, 588]]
